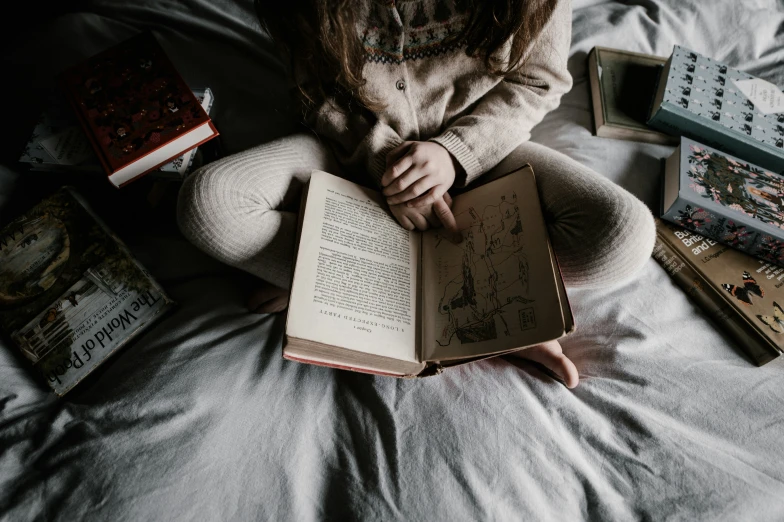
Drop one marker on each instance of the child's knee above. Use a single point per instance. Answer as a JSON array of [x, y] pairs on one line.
[[606, 244]]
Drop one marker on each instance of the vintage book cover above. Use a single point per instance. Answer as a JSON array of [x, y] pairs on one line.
[[742, 294], [726, 199], [58, 142], [135, 109], [623, 84], [370, 296], [71, 293], [721, 106]]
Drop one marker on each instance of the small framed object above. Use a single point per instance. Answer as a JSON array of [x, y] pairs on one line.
[[623, 85]]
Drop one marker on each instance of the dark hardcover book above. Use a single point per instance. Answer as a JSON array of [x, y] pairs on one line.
[[58, 143], [135, 108], [726, 199], [742, 294], [623, 85], [720, 106], [71, 293]]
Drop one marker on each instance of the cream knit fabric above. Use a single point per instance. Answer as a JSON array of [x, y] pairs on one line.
[[434, 91], [241, 209]]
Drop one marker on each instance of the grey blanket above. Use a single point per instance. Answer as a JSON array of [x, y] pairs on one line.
[[201, 418]]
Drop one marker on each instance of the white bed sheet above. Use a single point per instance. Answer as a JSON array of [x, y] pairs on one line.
[[202, 418]]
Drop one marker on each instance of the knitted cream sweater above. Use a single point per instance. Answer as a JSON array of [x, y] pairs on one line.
[[436, 92]]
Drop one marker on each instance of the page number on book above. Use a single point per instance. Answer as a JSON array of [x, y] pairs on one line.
[[527, 318]]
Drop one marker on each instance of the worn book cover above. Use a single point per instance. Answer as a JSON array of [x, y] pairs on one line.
[[623, 85], [721, 106], [370, 296], [135, 109], [58, 142], [726, 199], [71, 293], [742, 294]]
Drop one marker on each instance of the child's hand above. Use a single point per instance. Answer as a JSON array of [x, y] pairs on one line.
[[423, 217], [418, 174]]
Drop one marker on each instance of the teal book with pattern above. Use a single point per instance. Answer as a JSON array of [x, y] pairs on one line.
[[722, 107], [726, 200]]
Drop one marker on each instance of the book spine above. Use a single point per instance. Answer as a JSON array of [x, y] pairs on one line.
[[750, 239], [678, 121], [709, 299]]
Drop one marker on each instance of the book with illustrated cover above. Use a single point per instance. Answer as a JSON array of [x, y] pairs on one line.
[[71, 293], [58, 143], [726, 199], [623, 84], [720, 106], [742, 294], [368, 295], [135, 108]]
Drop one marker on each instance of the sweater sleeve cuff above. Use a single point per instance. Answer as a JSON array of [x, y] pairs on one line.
[[457, 148], [378, 163]]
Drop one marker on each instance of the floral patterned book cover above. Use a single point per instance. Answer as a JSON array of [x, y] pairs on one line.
[[59, 143], [71, 293], [725, 198], [132, 102], [721, 106]]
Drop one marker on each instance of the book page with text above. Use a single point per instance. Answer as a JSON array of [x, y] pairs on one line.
[[496, 290], [355, 281]]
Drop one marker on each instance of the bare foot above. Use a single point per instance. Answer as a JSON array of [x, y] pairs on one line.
[[551, 356], [268, 299]]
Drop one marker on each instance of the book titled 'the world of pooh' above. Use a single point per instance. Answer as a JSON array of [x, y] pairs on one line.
[[71, 293]]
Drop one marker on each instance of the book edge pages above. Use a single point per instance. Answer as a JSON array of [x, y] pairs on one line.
[[131, 172], [302, 350], [738, 327], [671, 182]]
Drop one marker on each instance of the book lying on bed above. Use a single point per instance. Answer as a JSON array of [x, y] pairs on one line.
[[623, 84], [742, 294], [58, 143], [370, 296], [135, 108], [720, 106], [71, 293], [726, 199]]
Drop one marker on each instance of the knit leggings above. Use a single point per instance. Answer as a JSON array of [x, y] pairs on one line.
[[242, 210]]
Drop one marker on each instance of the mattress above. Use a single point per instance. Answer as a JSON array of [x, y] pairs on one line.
[[201, 418]]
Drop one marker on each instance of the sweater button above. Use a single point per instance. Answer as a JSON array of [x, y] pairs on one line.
[[401, 85]]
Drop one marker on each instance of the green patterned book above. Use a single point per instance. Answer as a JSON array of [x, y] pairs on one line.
[[725, 198], [720, 106], [71, 294]]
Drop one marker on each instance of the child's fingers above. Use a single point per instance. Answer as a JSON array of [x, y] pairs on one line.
[[396, 153], [447, 219], [397, 169], [429, 197], [448, 199], [417, 188], [405, 222], [403, 181]]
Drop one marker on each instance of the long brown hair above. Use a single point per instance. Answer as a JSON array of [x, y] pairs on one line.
[[321, 40]]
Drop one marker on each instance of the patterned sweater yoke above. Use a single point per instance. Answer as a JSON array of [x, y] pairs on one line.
[[432, 90]]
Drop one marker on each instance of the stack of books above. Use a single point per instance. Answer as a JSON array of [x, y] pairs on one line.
[[125, 112], [721, 223]]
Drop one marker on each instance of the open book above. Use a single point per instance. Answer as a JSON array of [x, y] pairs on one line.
[[370, 296]]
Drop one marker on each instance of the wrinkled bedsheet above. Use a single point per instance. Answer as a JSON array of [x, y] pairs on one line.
[[201, 418]]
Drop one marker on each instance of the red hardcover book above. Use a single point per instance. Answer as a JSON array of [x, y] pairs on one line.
[[135, 108]]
